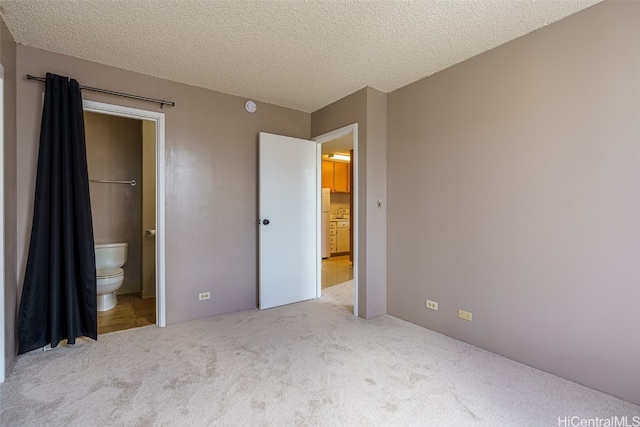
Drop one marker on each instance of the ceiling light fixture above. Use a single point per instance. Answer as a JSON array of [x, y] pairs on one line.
[[337, 156]]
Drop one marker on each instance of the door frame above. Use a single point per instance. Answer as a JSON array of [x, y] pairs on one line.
[[2, 284], [158, 119], [321, 139]]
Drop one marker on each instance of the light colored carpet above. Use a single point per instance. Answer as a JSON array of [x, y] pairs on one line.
[[311, 363]]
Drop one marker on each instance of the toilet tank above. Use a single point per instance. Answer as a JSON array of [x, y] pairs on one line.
[[111, 255]]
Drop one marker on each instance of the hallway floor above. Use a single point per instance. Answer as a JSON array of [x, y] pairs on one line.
[[335, 270], [132, 311]]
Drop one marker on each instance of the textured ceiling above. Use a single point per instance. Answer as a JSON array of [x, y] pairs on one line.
[[301, 54]]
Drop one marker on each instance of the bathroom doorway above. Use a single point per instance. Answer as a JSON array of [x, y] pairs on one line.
[[121, 165], [125, 152]]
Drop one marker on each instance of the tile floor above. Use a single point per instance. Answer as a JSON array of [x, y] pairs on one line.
[[336, 269], [132, 311]]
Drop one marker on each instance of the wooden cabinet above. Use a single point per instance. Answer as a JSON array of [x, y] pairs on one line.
[[341, 177], [336, 176], [327, 175]]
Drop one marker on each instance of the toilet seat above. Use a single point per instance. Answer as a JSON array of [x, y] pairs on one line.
[[107, 273]]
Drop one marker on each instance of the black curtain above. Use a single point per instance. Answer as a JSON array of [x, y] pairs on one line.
[[59, 292]]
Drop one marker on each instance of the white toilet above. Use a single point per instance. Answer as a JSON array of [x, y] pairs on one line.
[[110, 257]]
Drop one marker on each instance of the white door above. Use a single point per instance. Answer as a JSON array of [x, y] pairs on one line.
[[288, 227]]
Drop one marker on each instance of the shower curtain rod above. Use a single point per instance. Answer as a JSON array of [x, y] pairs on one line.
[[111, 92]]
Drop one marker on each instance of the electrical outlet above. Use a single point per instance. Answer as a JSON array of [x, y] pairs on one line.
[[432, 305], [466, 315], [203, 296]]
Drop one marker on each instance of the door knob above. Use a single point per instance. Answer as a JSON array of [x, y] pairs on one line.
[[265, 221]]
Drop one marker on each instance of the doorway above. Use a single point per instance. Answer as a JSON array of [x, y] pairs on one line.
[[121, 164], [156, 121], [342, 209]]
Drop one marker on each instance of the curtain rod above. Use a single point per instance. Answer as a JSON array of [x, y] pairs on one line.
[[111, 92]]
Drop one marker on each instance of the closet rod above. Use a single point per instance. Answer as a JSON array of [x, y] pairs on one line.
[[111, 92]]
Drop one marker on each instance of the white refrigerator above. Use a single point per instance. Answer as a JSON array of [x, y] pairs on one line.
[[326, 202]]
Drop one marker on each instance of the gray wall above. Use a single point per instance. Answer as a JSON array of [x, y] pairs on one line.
[[114, 152], [367, 107], [211, 177], [8, 60], [514, 193], [376, 177]]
